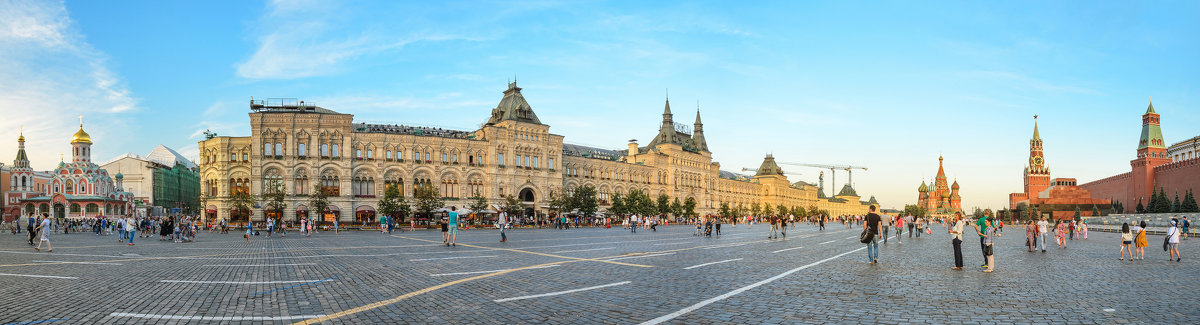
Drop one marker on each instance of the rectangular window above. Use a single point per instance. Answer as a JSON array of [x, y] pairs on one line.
[[300, 150], [358, 153], [233, 157], [444, 158], [500, 159], [526, 161], [370, 154], [518, 161], [267, 150], [324, 150], [551, 165], [388, 155], [335, 151], [245, 157], [454, 158], [278, 149], [535, 162]]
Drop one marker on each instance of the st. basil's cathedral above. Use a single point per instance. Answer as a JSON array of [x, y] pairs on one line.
[[939, 200]]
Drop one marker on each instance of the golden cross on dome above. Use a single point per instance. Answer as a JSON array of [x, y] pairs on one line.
[[81, 121]]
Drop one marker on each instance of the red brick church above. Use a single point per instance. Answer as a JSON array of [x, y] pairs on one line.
[[1059, 197], [1150, 170]]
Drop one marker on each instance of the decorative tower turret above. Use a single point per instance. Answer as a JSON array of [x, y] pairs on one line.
[[698, 133], [1037, 175], [81, 145], [1151, 152]]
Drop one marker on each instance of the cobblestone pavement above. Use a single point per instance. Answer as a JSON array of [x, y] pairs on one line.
[[588, 275]]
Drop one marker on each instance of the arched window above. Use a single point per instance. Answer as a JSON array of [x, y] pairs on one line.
[[330, 183], [449, 186], [301, 182], [272, 181]]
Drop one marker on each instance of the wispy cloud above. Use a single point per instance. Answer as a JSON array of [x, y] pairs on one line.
[[50, 74], [1021, 81], [299, 39]]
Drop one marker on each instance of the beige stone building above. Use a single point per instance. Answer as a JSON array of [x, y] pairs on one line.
[[514, 153]]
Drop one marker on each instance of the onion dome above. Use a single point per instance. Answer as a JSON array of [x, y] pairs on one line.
[[923, 187], [955, 185], [81, 136], [119, 176]]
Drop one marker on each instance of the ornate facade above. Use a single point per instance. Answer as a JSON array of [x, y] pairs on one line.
[[939, 200], [513, 153], [79, 188]]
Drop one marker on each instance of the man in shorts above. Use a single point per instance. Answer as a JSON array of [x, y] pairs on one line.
[[453, 225], [445, 234]]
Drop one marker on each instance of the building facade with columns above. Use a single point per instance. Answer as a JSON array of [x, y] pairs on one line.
[[310, 148]]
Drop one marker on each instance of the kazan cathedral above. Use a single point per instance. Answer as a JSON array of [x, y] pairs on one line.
[[302, 148], [75, 189], [939, 200]]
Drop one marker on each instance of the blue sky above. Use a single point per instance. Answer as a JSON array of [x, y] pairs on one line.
[[888, 85]]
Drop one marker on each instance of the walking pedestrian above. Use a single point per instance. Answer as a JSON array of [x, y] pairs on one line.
[[43, 229], [31, 230], [502, 220], [453, 217], [1172, 247], [909, 220], [1126, 240], [872, 227], [1139, 239], [445, 230], [900, 223], [1060, 233], [130, 228], [249, 232], [774, 229], [1031, 236], [717, 223], [956, 240], [1043, 230], [1185, 226], [887, 223]]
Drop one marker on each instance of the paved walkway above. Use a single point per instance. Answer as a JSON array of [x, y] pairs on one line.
[[587, 276]]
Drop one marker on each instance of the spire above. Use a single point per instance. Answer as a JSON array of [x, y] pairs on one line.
[[667, 110], [698, 136], [1036, 136], [1150, 109], [698, 113]]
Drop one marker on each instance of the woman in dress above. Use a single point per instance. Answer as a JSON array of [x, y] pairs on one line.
[[1139, 239], [1060, 233], [1030, 235]]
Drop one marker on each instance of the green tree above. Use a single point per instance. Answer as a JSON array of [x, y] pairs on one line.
[[1140, 208], [242, 202], [1189, 202], [689, 207], [783, 210], [318, 202], [558, 202], [812, 210], [740, 210], [799, 212], [618, 204], [1175, 205], [768, 210], [274, 197], [677, 207], [478, 203], [664, 204], [389, 205], [755, 208], [1095, 211], [584, 200], [513, 206], [427, 200], [1077, 214], [724, 210]]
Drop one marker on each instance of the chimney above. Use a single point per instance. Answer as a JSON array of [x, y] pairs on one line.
[[633, 147]]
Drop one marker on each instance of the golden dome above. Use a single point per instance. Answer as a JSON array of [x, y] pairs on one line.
[[81, 136]]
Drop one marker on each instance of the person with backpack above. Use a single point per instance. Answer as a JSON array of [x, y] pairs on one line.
[[1172, 242], [871, 227]]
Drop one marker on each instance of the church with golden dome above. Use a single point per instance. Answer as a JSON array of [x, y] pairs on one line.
[[939, 199], [75, 189]]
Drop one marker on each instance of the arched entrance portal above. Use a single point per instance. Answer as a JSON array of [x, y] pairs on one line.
[[60, 211], [526, 195], [364, 214]]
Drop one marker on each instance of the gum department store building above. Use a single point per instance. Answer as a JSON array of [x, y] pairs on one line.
[[512, 154]]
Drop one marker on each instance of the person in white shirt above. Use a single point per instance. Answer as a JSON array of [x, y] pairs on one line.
[[633, 223], [1043, 229], [1173, 234], [956, 232], [130, 228], [502, 219], [43, 229]]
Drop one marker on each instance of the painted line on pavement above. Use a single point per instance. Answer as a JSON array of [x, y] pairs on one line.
[[40, 276], [215, 318], [562, 292], [729, 245], [827, 242], [583, 250], [449, 258], [681, 312], [255, 265], [234, 282], [293, 286], [536, 253], [38, 321], [492, 271], [710, 263], [70, 262], [786, 249], [639, 256]]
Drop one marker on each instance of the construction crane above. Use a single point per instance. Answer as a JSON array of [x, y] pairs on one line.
[[832, 168], [756, 170]]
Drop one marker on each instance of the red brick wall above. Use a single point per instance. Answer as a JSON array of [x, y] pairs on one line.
[[1178, 177], [1118, 187]]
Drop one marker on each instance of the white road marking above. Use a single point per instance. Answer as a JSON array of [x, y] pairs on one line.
[[215, 318], [724, 246], [449, 258], [698, 305], [70, 262], [39, 276], [827, 242], [236, 282], [711, 263], [491, 271], [562, 292], [639, 256], [851, 237], [583, 250], [67, 254], [240, 265], [786, 249]]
